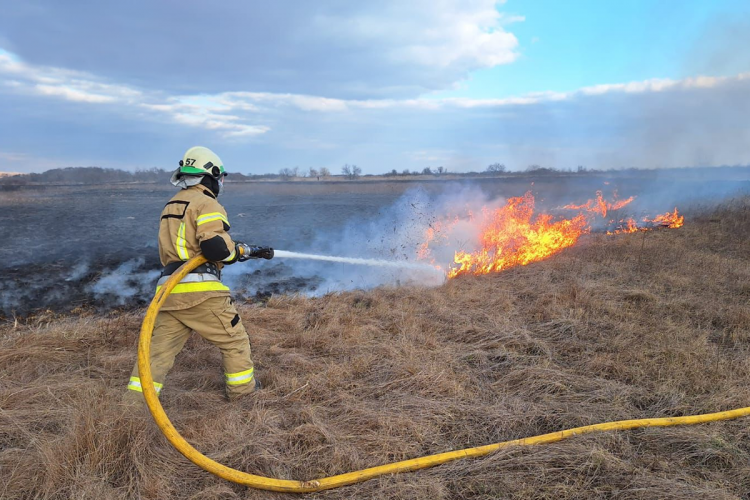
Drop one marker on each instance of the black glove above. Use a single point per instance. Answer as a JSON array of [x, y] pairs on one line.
[[247, 252]]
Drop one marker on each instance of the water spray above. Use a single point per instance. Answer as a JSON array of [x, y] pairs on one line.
[[353, 260]]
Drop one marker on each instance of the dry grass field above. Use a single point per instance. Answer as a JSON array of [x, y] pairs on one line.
[[630, 326]]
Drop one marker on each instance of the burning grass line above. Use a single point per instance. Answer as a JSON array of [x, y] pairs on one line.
[[516, 235]]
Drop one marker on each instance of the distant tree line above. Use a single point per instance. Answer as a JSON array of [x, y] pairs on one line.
[[99, 175], [88, 175]]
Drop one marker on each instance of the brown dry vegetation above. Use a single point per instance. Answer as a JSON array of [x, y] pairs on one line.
[[615, 328]]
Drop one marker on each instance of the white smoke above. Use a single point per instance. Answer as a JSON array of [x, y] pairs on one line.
[[78, 271], [125, 283], [396, 234]]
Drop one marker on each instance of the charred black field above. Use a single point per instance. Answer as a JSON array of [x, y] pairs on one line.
[[76, 248], [640, 325]]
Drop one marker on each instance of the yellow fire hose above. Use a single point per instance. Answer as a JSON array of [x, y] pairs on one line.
[[291, 486]]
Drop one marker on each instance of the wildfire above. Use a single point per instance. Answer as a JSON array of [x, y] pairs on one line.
[[626, 226], [514, 235], [670, 219], [600, 206], [511, 236]]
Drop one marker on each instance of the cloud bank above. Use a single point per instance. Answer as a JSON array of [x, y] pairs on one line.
[[322, 84]]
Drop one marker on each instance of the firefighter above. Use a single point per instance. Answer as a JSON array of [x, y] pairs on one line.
[[193, 222]]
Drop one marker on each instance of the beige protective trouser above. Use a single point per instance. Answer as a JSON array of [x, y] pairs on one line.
[[217, 321]]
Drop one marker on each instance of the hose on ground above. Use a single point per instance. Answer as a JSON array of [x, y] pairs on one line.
[[292, 486]]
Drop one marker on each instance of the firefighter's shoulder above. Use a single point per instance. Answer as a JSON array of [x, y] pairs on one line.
[[207, 209]]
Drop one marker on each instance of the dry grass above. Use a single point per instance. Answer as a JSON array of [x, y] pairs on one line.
[[604, 331]]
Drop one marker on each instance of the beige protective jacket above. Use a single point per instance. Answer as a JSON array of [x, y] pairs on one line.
[[193, 222]]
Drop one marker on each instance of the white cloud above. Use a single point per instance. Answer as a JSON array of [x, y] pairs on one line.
[[662, 84], [206, 112], [432, 34], [255, 100], [70, 85], [228, 112], [72, 94]]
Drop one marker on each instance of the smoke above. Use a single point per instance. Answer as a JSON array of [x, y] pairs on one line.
[[374, 223], [125, 283], [449, 221], [449, 218], [396, 234], [79, 271]]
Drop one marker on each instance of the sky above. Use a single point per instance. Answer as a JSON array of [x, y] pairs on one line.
[[384, 85]]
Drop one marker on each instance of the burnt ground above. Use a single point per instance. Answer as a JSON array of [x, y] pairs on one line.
[[68, 248]]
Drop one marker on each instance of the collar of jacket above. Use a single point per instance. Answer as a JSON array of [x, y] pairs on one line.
[[203, 189]]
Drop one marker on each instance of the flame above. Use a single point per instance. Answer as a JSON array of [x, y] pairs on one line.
[[670, 219], [511, 236], [437, 231], [600, 206], [626, 226]]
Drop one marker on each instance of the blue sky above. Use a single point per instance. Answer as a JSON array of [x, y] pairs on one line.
[[404, 85], [564, 46]]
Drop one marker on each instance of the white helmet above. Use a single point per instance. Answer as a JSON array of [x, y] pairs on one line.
[[197, 162], [201, 161]]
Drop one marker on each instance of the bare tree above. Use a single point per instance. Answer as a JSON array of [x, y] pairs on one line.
[[442, 170], [497, 168], [351, 171], [427, 171], [324, 172], [312, 173], [287, 172], [406, 172]]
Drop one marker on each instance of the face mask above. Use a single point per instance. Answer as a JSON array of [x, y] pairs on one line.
[[221, 185]]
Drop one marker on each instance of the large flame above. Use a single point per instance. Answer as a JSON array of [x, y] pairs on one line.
[[513, 235]]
